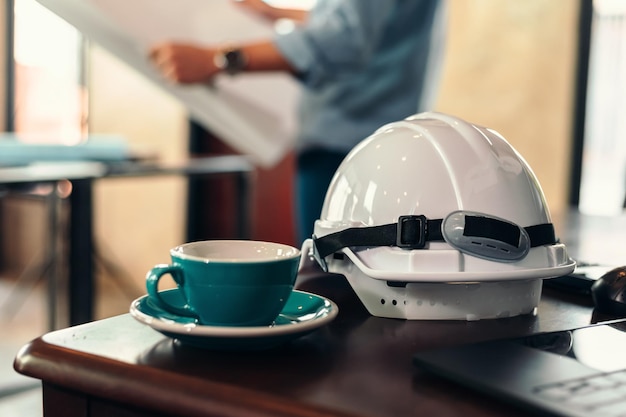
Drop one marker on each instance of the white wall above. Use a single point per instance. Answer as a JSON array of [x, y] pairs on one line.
[[137, 220], [511, 67]]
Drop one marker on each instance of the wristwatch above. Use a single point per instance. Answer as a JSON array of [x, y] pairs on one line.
[[232, 61]]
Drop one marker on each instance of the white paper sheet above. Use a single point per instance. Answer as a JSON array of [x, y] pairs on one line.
[[254, 113]]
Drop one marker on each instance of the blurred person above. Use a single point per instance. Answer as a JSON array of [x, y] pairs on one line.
[[361, 63]]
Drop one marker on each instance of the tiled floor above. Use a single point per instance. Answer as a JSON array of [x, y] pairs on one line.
[[17, 327], [27, 319]]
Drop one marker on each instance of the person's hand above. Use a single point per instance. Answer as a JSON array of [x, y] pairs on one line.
[[263, 9], [256, 6], [184, 63]]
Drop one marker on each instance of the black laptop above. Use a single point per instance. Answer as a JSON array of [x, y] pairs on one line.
[[580, 372]]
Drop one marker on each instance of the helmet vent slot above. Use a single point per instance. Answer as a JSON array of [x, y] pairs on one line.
[[393, 302], [396, 284], [490, 246]]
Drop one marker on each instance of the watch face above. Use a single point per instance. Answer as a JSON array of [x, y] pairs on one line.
[[234, 61]]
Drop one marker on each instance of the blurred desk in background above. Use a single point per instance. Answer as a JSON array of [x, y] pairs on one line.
[[81, 279]]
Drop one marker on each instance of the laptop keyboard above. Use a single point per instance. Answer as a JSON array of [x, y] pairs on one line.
[[601, 394]]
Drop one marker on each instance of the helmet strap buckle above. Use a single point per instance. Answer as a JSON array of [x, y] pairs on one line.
[[411, 232]]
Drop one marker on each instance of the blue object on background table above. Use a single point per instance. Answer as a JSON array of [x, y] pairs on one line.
[[17, 150]]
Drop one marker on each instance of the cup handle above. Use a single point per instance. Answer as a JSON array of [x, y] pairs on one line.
[[152, 285]]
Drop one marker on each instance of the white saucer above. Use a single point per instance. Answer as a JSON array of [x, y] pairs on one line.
[[303, 313]]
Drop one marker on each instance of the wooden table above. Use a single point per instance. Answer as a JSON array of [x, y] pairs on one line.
[[358, 365]]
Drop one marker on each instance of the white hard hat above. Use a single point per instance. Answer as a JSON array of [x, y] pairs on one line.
[[426, 211]]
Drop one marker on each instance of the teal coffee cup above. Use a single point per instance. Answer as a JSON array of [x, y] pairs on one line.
[[228, 282]]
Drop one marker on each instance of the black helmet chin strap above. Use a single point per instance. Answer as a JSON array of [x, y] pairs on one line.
[[410, 232], [474, 233]]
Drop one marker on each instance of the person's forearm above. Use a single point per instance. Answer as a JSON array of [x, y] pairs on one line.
[[186, 63], [264, 56]]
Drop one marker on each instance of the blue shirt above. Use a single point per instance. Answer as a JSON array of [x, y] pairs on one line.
[[363, 63]]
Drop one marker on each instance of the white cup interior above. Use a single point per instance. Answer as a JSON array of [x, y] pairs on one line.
[[235, 251]]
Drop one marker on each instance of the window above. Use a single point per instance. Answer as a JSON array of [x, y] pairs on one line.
[[603, 175], [49, 95]]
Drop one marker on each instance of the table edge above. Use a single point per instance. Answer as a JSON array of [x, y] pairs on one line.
[[102, 378]]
